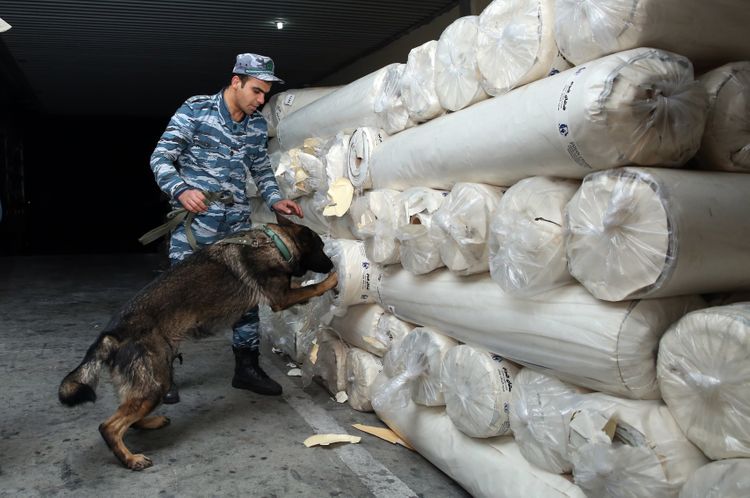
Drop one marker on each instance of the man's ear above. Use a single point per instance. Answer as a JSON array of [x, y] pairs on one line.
[[283, 220]]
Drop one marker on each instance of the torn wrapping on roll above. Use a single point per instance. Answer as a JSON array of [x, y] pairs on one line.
[[418, 89], [361, 369]]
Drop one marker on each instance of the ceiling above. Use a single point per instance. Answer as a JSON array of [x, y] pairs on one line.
[[144, 57]]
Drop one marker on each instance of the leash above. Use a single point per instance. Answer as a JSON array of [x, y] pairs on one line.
[[254, 242], [182, 215]]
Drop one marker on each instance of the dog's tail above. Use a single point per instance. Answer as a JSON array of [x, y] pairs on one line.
[[79, 385]]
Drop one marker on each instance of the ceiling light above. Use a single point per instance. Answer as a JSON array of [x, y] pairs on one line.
[[279, 25]]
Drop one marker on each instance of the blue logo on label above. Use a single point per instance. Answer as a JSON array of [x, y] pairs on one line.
[[563, 130], [365, 265]]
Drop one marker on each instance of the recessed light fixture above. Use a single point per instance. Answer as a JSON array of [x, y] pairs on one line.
[[279, 25]]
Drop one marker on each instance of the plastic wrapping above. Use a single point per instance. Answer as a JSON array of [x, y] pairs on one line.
[[726, 140], [419, 249], [418, 83], [515, 43], [704, 373], [483, 467], [362, 143], [327, 362], [413, 366], [371, 328], [476, 385], [640, 107], [286, 102], [709, 33], [389, 106], [335, 157], [464, 217], [375, 218], [526, 245], [299, 173], [361, 369], [722, 479], [358, 277], [642, 232], [603, 346], [647, 456], [540, 409], [456, 72], [344, 110]]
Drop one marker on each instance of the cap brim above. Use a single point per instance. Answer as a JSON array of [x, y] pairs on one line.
[[268, 77]]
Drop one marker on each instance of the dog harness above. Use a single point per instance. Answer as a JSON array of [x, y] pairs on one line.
[[273, 238]]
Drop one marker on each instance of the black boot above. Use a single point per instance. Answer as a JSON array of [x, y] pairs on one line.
[[248, 374], [173, 395]]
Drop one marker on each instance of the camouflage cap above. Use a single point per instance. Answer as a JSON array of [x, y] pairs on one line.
[[257, 66]]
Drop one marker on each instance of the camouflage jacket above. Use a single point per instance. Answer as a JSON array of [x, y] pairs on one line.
[[203, 148]]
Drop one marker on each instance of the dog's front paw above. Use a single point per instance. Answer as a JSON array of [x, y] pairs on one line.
[[139, 462]]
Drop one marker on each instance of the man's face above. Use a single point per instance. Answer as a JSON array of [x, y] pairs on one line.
[[252, 94]]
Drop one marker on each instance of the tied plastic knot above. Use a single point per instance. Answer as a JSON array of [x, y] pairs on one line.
[[617, 213]]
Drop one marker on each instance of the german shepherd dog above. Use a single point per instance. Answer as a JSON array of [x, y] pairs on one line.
[[212, 288]]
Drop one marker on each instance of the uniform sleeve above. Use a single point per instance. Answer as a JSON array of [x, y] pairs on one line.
[[174, 140], [262, 173]]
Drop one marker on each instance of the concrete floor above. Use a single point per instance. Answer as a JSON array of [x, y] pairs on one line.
[[222, 441]]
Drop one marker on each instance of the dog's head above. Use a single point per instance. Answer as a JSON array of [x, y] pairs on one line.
[[311, 256]]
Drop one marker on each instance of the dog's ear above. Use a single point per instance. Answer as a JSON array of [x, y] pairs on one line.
[[284, 221]]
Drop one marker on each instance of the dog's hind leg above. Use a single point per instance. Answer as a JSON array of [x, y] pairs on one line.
[[152, 423], [113, 430]]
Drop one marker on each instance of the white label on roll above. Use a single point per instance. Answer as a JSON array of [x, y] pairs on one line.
[[564, 127], [289, 99]]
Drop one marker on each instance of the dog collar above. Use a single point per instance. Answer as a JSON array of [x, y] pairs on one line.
[[283, 249]]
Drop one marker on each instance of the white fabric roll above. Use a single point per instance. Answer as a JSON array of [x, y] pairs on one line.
[[515, 43], [603, 346], [649, 455], [358, 277], [483, 467], [419, 249], [418, 83], [704, 374], [389, 107], [722, 479], [640, 107], [476, 385], [314, 219], [299, 173], [344, 110], [370, 328], [526, 245], [540, 409], [464, 217], [726, 140], [708, 33], [361, 369], [375, 218], [456, 72], [329, 365], [413, 365], [642, 232], [335, 157], [362, 143], [286, 102]]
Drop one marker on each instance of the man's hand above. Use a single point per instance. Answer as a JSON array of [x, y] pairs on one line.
[[193, 200], [287, 206]]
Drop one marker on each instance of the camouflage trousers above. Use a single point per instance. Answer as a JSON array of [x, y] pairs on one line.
[[208, 228]]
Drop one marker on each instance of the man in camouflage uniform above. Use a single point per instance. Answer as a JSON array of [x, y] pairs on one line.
[[210, 145]]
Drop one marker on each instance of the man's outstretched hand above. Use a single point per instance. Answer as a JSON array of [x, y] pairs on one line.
[[288, 207]]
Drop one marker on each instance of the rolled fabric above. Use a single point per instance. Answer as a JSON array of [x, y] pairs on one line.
[[456, 72], [419, 249], [299, 173], [515, 43], [418, 90], [726, 140], [344, 110], [286, 102], [483, 467], [476, 385], [643, 233], [526, 244], [708, 33], [464, 217], [361, 369], [362, 143], [314, 219], [704, 374], [389, 107], [722, 479], [540, 409], [414, 363], [375, 218], [358, 277], [604, 346], [626, 448], [328, 361], [640, 107], [335, 157], [369, 327]]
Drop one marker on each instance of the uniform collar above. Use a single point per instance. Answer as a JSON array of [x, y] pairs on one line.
[[226, 116]]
